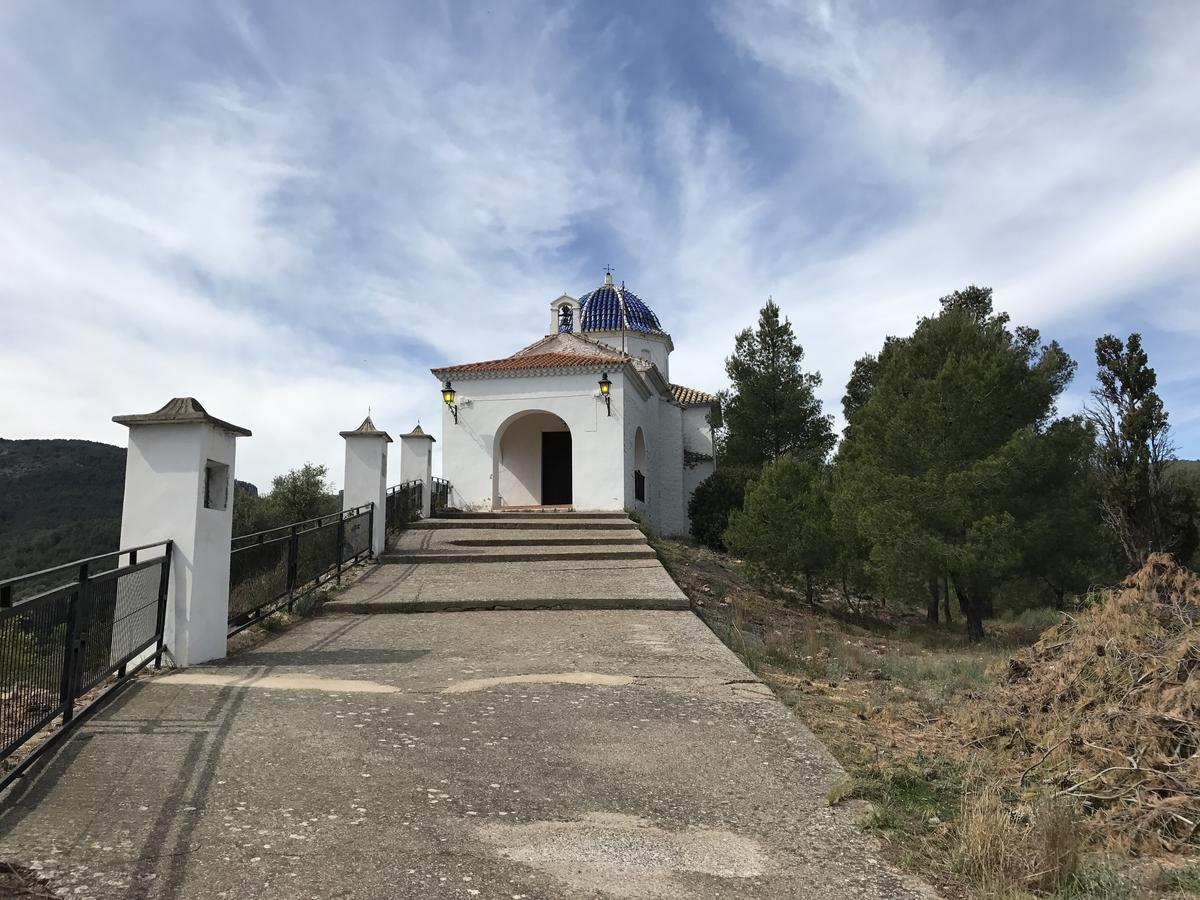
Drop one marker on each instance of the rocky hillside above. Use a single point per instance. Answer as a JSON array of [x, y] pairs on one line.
[[60, 500]]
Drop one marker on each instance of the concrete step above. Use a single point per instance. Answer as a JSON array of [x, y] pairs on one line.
[[456, 538], [599, 540], [540, 584], [514, 523], [496, 603], [506, 555], [535, 514]]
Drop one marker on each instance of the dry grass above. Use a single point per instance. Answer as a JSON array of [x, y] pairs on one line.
[[922, 723], [1105, 710], [999, 848]]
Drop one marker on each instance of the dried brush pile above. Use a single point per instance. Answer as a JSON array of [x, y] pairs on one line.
[[1104, 711]]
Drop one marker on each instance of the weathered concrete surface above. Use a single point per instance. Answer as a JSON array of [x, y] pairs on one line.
[[525, 523], [499, 538], [539, 584], [643, 760], [539, 561], [458, 537]]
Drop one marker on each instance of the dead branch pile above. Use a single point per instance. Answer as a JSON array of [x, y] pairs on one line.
[[1105, 709]]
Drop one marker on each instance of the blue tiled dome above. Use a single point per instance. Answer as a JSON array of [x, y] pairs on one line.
[[610, 305]]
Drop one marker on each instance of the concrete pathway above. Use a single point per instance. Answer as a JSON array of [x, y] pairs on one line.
[[496, 754], [518, 561]]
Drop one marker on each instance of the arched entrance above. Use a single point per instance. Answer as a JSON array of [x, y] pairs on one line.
[[531, 461], [639, 465]]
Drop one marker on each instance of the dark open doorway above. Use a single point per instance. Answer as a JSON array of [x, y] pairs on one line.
[[556, 468]]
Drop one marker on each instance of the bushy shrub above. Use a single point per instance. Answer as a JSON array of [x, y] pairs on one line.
[[712, 501], [783, 528]]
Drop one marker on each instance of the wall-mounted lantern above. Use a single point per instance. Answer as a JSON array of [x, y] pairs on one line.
[[448, 397], [605, 386]]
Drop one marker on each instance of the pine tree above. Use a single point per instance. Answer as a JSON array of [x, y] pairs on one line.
[[1145, 511], [772, 408], [944, 428]]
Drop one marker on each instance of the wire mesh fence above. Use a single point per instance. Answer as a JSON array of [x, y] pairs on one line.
[[99, 617], [441, 495], [402, 505], [268, 568]]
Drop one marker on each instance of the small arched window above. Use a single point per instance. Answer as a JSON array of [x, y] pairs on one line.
[[565, 319]]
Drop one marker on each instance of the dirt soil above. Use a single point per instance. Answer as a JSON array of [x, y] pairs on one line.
[[904, 706]]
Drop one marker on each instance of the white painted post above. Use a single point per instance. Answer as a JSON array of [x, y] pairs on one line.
[[416, 464], [179, 481], [366, 475]]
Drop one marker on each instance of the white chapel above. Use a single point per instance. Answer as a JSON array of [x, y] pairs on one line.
[[586, 417]]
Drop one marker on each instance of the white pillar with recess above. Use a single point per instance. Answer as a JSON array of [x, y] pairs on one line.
[[179, 479], [366, 475], [416, 464]]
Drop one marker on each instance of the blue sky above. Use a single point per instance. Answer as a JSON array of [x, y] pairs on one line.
[[292, 210]]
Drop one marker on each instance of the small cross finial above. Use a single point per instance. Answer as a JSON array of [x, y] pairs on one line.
[[608, 270]]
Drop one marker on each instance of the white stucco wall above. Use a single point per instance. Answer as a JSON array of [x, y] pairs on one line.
[[602, 447], [416, 464], [164, 499], [673, 517], [486, 405], [366, 481], [635, 344]]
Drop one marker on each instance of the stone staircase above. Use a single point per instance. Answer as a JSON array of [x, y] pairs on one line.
[[517, 560], [520, 537]]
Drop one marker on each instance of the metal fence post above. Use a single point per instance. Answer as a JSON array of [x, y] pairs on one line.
[[371, 530], [164, 582], [75, 601], [341, 541], [293, 564]]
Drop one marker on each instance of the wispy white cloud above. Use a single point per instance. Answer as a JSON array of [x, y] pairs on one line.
[[1066, 194], [294, 217]]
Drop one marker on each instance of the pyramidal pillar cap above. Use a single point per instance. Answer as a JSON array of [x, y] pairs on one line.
[[418, 432], [181, 411], [367, 429]]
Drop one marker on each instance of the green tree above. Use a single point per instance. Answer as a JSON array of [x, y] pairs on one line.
[[939, 443], [772, 408], [784, 527], [302, 493], [712, 501], [1145, 510], [1063, 543]]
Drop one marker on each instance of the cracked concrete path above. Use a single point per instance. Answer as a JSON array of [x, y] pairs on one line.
[[548, 754]]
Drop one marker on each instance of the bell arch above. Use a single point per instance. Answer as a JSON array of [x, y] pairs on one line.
[[565, 315]]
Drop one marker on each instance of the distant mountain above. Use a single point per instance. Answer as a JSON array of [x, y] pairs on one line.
[[60, 500]]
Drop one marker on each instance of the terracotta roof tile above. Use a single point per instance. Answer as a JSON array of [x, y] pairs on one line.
[[687, 396], [531, 361]]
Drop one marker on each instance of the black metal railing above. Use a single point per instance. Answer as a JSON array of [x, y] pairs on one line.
[[402, 505], [639, 486], [440, 495], [268, 569], [65, 631]]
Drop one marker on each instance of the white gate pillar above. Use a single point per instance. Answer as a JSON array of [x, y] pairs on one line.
[[416, 464], [365, 480], [179, 478]]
